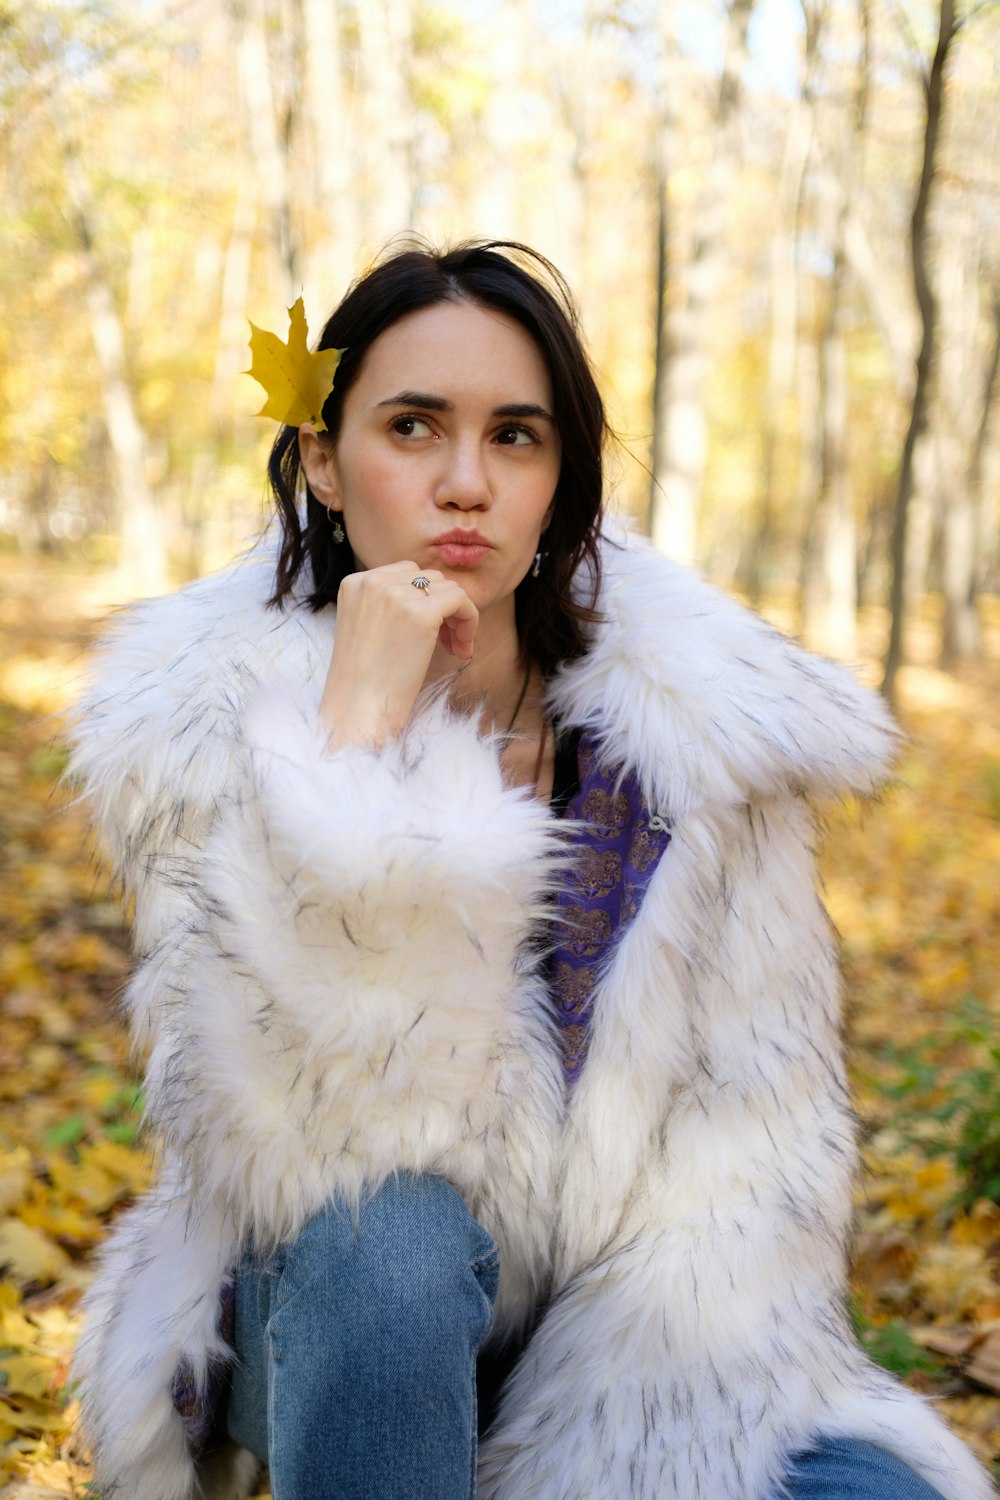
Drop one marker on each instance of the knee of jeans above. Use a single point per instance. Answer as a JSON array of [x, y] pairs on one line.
[[412, 1246]]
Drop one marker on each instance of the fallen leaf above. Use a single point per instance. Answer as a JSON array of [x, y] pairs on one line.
[[27, 1416], [27, 1374], [15, 1174], [984, 1366], [954, 1343], [30, 1254], [980, 1226]]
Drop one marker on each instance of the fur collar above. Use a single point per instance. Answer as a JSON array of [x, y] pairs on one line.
[[695, 694], [705, 702]]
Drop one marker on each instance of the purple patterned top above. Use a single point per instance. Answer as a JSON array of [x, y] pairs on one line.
[[619, 848]]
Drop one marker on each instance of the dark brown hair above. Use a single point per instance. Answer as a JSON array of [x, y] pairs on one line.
[[551, 613]]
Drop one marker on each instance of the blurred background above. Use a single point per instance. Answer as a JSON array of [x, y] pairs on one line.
[[780, 220]]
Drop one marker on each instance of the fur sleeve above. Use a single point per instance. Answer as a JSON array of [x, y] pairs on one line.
[[349, 995], [333, 978], [156, 735]]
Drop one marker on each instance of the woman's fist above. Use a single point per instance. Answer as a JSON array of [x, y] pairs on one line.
[[385, 637]]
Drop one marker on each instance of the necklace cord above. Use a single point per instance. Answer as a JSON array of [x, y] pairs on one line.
[[541, 752], [520, 699], [543, 736]]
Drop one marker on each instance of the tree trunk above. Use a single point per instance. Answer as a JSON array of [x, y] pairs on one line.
[[143, 552], [784, 305], [206, 530], [679, 423], [231, 356], [830, 564], [961, 628], [34, 532], [809, 381], [385, 37], [829, 598], [961, 635], [663, 160], [267, 146], [894, 314], [496, 207], [928, 314], [334, 259]]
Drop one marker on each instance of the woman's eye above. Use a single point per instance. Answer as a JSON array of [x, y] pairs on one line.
[[515, 436], [411, 427]]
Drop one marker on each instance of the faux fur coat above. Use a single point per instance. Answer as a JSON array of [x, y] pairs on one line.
[[337, 977]]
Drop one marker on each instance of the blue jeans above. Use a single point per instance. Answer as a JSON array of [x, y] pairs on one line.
[[357, 1352]]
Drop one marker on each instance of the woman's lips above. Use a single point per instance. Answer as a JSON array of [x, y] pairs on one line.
[[460, 553]]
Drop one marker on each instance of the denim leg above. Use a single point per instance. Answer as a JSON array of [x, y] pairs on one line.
[[847, 1469], [357, 1348]]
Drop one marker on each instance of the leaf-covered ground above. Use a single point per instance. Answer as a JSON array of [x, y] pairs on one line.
[[912, 884]]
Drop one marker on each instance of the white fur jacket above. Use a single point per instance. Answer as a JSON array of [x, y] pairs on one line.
[[335, 981]]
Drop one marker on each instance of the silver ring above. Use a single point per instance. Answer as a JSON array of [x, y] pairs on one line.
[[421, 583]]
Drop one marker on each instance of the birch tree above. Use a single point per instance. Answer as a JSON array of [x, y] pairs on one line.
[[783, 296], [961, 629], [330, 121], [830, 563], [682, 352], [927, 305], [268, 145], [143, 547], [385, 34]]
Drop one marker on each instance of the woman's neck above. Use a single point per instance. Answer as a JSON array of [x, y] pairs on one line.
[[496, 680], [511, 699]]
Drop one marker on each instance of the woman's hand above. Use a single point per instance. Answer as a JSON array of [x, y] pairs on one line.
[[386, 634]]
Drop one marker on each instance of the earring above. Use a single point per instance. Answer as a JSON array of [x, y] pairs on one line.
[[339, 534], [536, 566]]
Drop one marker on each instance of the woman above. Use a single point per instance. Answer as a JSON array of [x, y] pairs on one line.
[[491, 1011]]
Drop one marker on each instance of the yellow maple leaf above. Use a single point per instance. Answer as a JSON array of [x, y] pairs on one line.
[[297, 382]]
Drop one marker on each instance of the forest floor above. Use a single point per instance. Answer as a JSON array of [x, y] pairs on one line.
[[912, 885]]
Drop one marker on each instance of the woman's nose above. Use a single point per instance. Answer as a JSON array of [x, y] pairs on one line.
[[464, 482]]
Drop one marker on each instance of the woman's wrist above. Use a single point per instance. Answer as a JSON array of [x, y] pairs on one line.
[[368, 724]]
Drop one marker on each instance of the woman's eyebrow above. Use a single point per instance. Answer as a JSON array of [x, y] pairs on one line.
[[427, 402], [418, 398], [523, 409]]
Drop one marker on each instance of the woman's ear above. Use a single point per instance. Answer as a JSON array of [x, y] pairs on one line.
[[319, 462]]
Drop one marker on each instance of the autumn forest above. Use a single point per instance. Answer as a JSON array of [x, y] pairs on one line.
[[781, 222]]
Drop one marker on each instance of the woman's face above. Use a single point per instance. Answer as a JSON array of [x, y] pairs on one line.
[[448, 454]]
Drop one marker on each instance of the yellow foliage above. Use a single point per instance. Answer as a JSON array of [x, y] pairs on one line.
[[31, 1255], [953, 1280], [15, 1169], [86, 1182], [126, 1164], [981, 1226], [15, 1330], [62, 1220], [27, 1374]]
